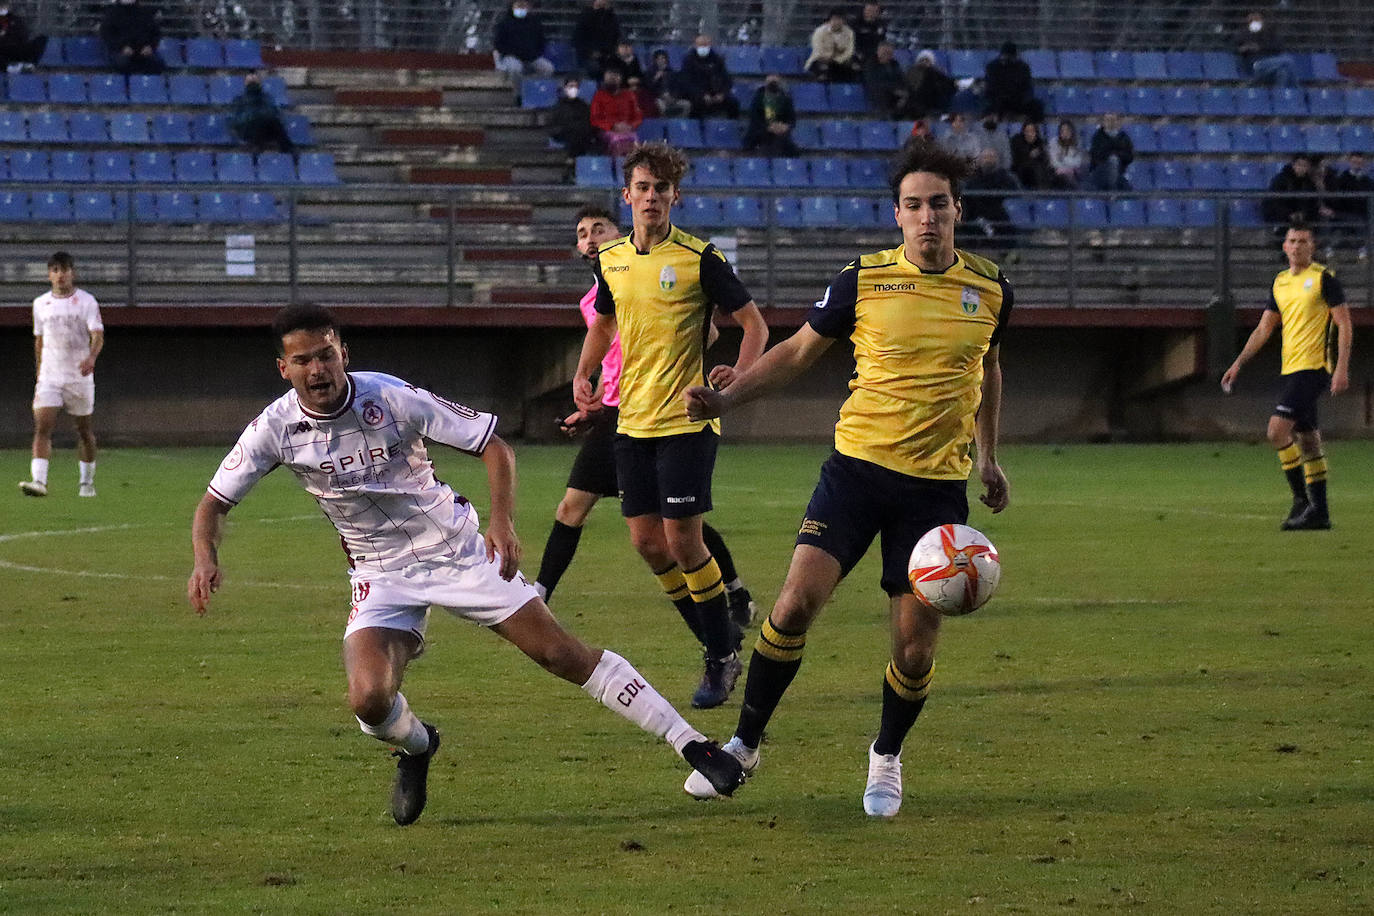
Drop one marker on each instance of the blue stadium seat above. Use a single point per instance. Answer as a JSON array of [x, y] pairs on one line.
[[1213, 138], [48, 127], [1164, 212], [1251, 139], [1200, 212], [51, 206], [211, 129], [651, 129], [1356, 138], [1323, 139], [128, 127], [829, 172], [171, 128], [743, 212], [685, 133], [173, 52], [147, 90], [1145, 101], [1102, 99], [1171, 175], [847, 98], [743, 91], [1127, 213], [1090, 212], [275, 86], [234, 168], [242, 54], [1144, 137], [52, 55], [967, 63], [30, 165], [1114, 65], [1182, 102], [807, 134], [1019, 211], [1050, 212], [857, 212], [1290, 103], [1254, 102], [878, 136], [276, 168], [83, 51], [1359, 103], [810, 98], [1247, 176], [194, 166], [743, 60], [67, 89], [1141, 175], [260, 207], [204, 53], [1287, 139], [14, 206], [722, 133], [676, 54], [839, 134], [153, 167], [867, 173], [176, 207], [1324, 68], [145, 205], [791, 172], [1184, 66], [1070, 101], [538, 92], [27, 88], [753, 172], [218, 207], [1176, 138], [224, 88], [1220, 65], [112, 167], [1322, 103], [1043, 64], [188, 89], [562, 56], [108, 89], [1210, 175], [1076, 65], [317, 168], [1219, 101], [1149, 65], [820, 212], [787, 212], [71, 166], [701, 211], [1246, 213], [94, 207], [711, 172], [12, 127], [786, 61]]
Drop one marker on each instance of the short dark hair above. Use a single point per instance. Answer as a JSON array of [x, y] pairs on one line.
[[927, 156], [61, 259], [594, 211], [304, 317], [835, 11], [1301, 225], [663, 162]]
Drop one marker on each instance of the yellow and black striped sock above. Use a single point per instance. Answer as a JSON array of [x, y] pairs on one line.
[[713, 611], [674, 585], [903, 698], [1314, 474], [777, 658], [1290, 459]]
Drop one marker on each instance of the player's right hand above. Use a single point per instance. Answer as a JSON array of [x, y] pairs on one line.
[[584, 395], [703, 403], [203, 583], [1228, 379]]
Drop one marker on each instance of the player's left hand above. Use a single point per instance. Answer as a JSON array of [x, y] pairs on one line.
[[501, 540], [1340, 381], [87, 366], [721, 376], [702, 403], [996, 491]]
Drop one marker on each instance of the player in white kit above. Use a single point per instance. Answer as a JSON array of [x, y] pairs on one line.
[[67, 338], [354, 441]]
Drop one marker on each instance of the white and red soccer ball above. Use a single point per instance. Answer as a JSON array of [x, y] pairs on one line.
[[954, 569]]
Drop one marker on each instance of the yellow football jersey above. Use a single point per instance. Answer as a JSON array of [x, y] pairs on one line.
[[919, 341], [662, 301], [1303, 301]]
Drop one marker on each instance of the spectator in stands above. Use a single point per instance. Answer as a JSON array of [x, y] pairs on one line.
[[990, 135], [1066, 156], [666, 86], [771, 119], [708, 82], [255, 119], [1030, 158], [988, 212], [570, 121], [870, 31], [920, 133], [1353, 211], [1008, 89], [1262, 55], [19, 50], [968, 97], [131, 33], [1109, 155], [625, 61], [884, 85], [519, 43], [595, 36], [1293, 196], [960, 140], [832, 51], [930, 90], [615, 113]]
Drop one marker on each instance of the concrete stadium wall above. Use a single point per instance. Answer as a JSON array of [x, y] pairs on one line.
[[174, 386]]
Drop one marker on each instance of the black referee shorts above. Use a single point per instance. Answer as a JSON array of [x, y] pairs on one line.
[[593, 470]]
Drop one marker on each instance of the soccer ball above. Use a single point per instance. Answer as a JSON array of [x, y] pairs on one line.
[[954, 569]]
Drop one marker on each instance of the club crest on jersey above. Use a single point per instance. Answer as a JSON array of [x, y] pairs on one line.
[[372, 413], [235, 458], [969, 299], [667, 278], [1307, 284]]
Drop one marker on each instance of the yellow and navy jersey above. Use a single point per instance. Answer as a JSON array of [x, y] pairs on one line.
[[662, 301], [1304, 301], [919, 341]]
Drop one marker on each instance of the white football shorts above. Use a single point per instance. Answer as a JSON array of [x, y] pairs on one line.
[[468, 587], [76, 395]]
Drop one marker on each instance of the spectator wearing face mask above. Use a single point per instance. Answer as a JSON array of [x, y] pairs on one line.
[[1262, 55], [707, 81], [615, 112], [665, 84], [519, 42], [771, 119], [570, 122], [19, 50]]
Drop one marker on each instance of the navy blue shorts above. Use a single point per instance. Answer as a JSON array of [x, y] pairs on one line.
[[1298, 397], [855, 500], [669, 476], [593, 470]]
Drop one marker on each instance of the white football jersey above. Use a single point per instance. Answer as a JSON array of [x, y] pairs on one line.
[[65, 326], [367, 467]]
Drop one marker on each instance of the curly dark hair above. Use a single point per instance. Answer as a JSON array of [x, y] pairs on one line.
[[663, 161], [929, 156]]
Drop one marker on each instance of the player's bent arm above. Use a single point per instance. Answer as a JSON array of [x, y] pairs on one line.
[[997, 492], [600, 336], [1269, 320], [771, 371], [97, 344], [755, 335], [500, 535], [1345, 342], [207, 530]]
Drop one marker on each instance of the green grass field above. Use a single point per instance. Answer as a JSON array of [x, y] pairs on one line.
[[1166, 709]]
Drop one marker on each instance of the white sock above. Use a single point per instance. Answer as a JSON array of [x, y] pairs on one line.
[[543, 592], [87, 471], [623, 690], [734, 585], [38, 471], [401, 728]]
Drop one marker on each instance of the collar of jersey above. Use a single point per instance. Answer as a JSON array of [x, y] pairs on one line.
[[930, 273], [348, 402], [672, 234]]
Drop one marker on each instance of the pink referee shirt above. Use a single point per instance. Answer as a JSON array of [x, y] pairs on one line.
[[611, 365]]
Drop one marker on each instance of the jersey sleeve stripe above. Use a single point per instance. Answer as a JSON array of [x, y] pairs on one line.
[[220, 496]]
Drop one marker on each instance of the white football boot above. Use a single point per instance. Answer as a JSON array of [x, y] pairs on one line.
[[33, 488], [86, 489], [698, 786], [883, 794]]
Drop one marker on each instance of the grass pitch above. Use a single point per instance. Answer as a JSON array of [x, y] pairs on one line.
[[1166, 709]]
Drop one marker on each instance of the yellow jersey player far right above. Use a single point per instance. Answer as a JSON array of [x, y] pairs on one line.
[[1308, 302]]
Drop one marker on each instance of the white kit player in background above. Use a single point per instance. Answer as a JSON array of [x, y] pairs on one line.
[[354, 441], [67, 338]]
